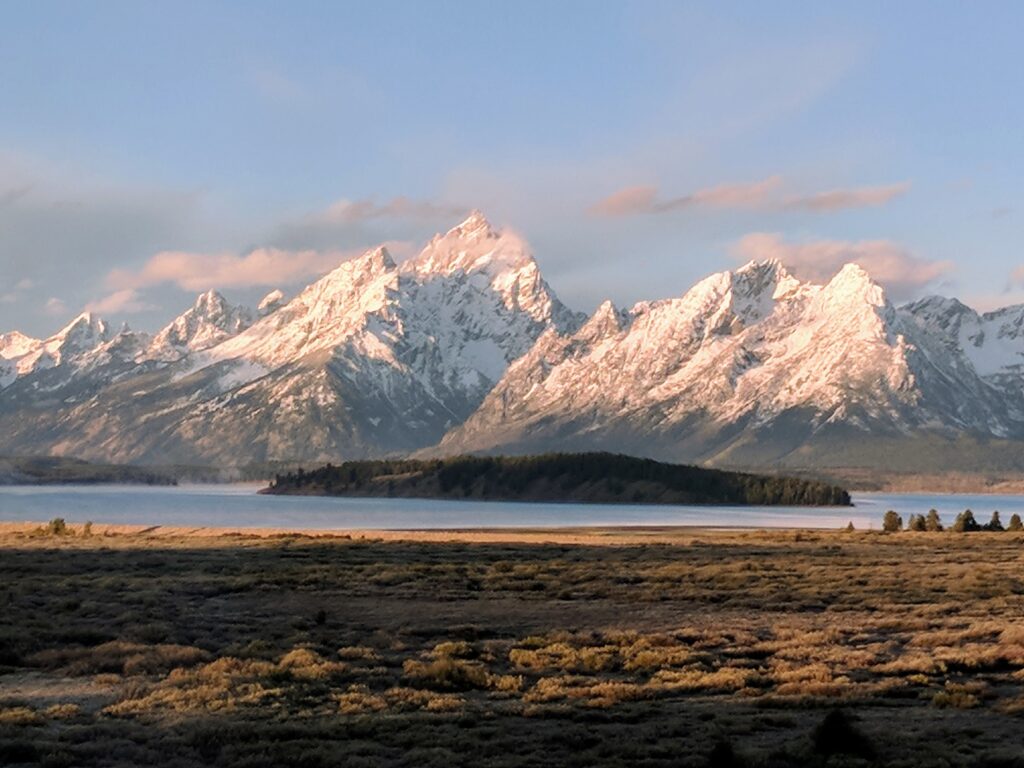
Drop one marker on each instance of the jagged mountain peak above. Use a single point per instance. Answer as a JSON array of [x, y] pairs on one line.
[[85, 332], [366, 267], [606, 321], [475, 225], [852, 287], [377, 259], [210, 302], [209, 321], [852, 276], [15, 344], [85, 322], [772, 268], [473, 246]]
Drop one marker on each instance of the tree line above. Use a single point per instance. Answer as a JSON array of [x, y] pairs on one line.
[[622, 478], [965, 522]]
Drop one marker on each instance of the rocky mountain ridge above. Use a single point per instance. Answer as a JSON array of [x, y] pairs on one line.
[[465, 348]]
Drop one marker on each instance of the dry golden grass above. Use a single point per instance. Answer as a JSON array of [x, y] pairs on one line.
[[614, 648]]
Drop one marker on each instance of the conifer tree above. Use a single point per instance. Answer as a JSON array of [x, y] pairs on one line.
[[965, 522]]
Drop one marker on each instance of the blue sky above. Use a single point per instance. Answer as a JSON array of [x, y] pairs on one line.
[[638, 146]]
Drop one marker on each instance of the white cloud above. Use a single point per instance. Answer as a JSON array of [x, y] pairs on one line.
[[900, 271]]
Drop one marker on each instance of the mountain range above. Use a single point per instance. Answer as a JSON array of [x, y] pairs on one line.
[[465, 348]]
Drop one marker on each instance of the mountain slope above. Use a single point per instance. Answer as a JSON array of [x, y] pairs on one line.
[[373, 358], [754, 367]]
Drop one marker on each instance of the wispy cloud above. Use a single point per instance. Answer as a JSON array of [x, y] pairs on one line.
[[842, 199], [124, 301], [892, 265], [766, 194], [16, 291], [356, 211], [55, 307], [202, 271]]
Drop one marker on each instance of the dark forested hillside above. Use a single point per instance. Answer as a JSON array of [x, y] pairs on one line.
[[587, 477], [59, 470]]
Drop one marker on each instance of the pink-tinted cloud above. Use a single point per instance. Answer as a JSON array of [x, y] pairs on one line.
[[124, 301], [766, 195], [644, 199], [627, 201], [755, 194], [202, 271], [901, 272], [260, 267]]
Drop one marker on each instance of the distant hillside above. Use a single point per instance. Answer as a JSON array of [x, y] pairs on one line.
[[582, 477], [55, 470]]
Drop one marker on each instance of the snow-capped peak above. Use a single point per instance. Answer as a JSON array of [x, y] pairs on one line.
[[15, 344], [475, 225], [606, 321], [270, 303], [84, 332], [209, 321], [472, 246], [26, 355]]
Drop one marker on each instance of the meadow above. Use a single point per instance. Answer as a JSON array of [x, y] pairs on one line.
[[640, 647]]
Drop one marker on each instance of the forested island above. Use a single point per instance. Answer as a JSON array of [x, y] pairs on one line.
[[62, 470], [556, 477]]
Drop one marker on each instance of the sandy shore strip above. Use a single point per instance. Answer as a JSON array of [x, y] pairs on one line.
[[610, 535]]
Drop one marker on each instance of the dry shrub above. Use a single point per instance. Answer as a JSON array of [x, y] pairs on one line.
[[62, 711], [445, 704], [118, 656], [307, 664], [561, 655], [455, 649], [220, 686], [957, 696], [446, 674], [914, 663], [652, 653], [358, 700], [591, 692], [699, 679], [358, 653], [19, 716], [405, 699]]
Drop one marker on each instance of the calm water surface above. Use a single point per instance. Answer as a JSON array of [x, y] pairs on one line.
[[240, 506]]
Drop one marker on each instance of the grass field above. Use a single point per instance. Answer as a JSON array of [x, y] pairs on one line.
[[629, 648]]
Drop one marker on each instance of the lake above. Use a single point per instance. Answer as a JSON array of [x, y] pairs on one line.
[[240, 506]]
